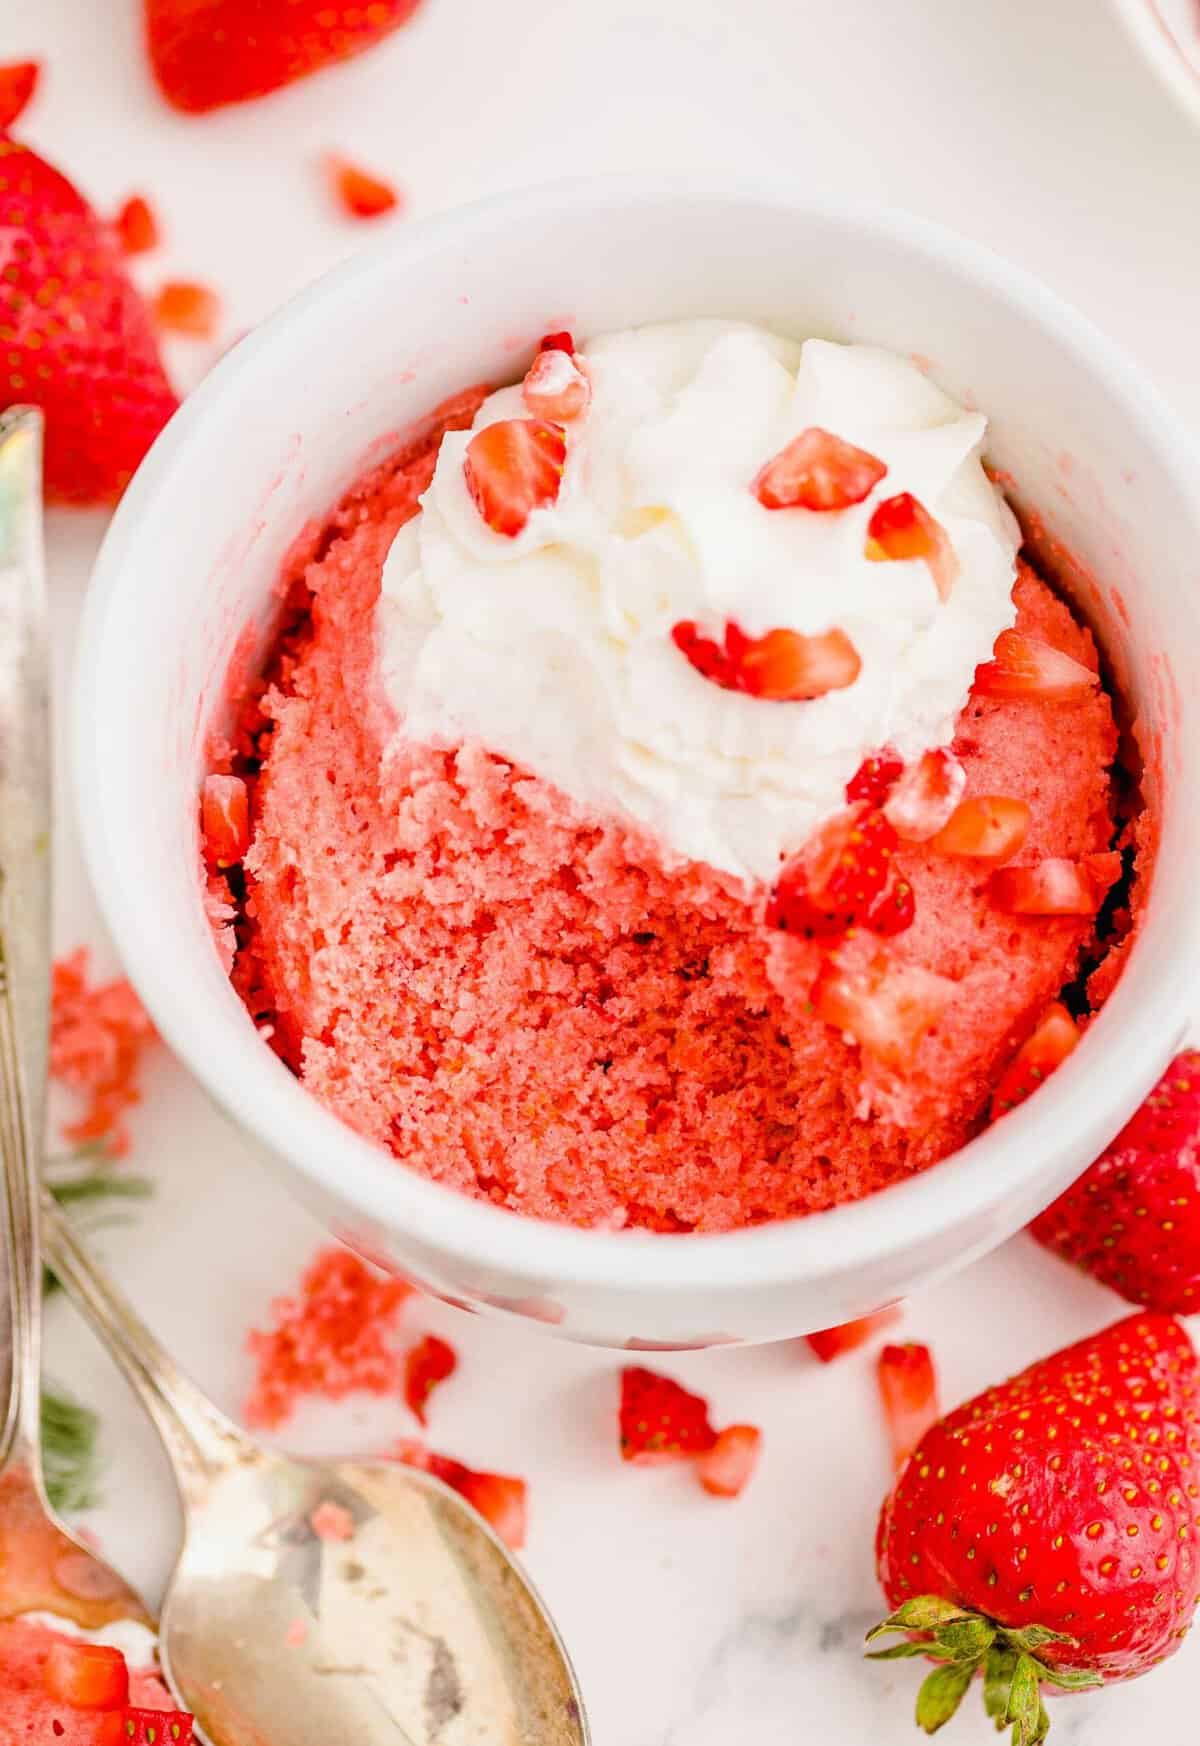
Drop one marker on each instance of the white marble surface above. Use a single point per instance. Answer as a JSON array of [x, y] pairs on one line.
[[1031, 126]]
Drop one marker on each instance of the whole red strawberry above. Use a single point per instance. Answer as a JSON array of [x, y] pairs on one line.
[[1133, 1220], [208, 52], [75, 337], [1046, 1532]]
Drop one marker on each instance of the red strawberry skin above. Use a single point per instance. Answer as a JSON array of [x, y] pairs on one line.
[[75, 336], [205, 53], [1133, 1220], [1067, 1498]]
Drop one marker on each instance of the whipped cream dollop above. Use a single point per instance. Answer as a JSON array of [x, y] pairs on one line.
[[137, 1643], [554, 648]]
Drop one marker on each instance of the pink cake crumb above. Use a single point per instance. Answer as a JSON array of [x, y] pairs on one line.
[[97, 1039], [332, 1339], [296, 1634], [329, 1521]]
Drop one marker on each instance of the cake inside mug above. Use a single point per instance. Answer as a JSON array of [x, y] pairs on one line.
[[672, 801]]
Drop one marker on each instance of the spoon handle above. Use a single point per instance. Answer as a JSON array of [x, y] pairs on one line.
[[200, 1441], [24, 922]]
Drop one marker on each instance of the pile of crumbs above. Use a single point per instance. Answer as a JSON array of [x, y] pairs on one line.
[[97, 1038]]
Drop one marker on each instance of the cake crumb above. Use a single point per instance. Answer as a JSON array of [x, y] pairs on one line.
[[330, 1340], [329, 1521], [97, 1038]]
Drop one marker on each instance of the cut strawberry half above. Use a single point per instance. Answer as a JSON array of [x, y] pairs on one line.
[[901, 527], [988, 827], [563, 341], [187, 308], [831, 1343], [1056, 886], [660, 1421], [555, 387], [818, 470], [726, 1469], [895, 911], [875, 778], [427, 1364], [17, 85], [87, 1676], [886, 1006], [1056, 1036], [837, 878], [137, 227], [224, 820], [925, 796], [136, 1727], [359, 193], [513, 468], [909, 1391], [1024, 666]]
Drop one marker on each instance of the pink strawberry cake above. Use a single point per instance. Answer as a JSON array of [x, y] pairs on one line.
[[672, 802]]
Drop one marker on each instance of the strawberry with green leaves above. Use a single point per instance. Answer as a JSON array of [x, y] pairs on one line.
[[1045, 1535], [1133, 1220], [75, 336]]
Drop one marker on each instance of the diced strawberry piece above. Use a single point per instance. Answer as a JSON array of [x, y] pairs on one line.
[[660, 1421], [137, 227], [361, 194], [726, 1469], [875, 778], [988, 827], [909, 1391], [205, 53], [831, 1343], [17, 85], [563, 341], [781, 666], [513, 468], [186, 308], [87, 1676], [224, 820], [1055, 886], [1055, 1037], [818, 471], [555, 387], [837, 877], [902, 527], [925, 796], [153, 1728], [1024, 666], [785, 667], [503, 1503], [886, 1006], [429, 1362], [895, 911]]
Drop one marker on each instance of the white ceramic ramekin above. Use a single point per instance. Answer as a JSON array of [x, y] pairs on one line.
[[1167, 34], [289, 418]]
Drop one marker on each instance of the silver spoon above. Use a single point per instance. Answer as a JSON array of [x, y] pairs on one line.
[[313, 1602]]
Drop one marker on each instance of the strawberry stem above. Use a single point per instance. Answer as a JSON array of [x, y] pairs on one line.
[[965, 1643]]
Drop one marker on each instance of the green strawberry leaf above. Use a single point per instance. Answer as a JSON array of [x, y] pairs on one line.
[[925, 1613], [903, 1652], [941, 1694], [966, 1639]]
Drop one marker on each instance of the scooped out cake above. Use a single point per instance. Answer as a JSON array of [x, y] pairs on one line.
[[671, 801]]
